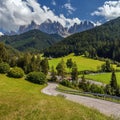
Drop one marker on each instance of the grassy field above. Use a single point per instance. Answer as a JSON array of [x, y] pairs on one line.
[[83, 63], [104, 77], [21, 100]]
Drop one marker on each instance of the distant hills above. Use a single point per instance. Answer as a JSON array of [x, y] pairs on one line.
[[102, 41], [33, 40], [54, 27]]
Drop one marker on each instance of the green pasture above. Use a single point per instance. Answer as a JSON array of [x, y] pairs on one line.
[[103, 77], [82, 62]]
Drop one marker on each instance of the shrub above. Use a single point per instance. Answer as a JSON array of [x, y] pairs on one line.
[[85, 86], [66, 83], [16, 72], [96, 89], [37, 77], [4, 67]]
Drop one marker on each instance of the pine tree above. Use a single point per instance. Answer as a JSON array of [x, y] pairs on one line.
[[69, 63], [113, 82], [74, 73]]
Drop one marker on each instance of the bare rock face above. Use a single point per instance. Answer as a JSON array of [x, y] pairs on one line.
[[51, 27]]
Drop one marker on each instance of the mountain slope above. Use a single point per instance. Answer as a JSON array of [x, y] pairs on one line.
[[31, 40], [102, 41]]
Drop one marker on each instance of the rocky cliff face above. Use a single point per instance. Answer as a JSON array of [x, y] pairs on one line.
[[57, 28]]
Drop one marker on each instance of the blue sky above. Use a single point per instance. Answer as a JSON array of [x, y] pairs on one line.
[[83, 8], [16, 13]]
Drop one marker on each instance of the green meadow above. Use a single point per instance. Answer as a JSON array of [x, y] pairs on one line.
[[22, 100], [103, 77], [82, 62]]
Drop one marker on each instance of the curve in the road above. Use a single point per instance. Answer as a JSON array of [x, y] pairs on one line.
[[105, 107]]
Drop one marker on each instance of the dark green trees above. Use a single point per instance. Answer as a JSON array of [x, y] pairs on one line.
[[113, 82], [69, 63], [74, 73], [113, 88], [3, 53], [45, 66], [53, 75], [61, 68], [106, 67]]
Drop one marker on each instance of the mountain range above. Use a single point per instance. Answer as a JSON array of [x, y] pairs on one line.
[[55, 27], [100, 41]]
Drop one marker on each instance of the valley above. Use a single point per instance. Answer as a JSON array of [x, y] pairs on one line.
[[54, 67]]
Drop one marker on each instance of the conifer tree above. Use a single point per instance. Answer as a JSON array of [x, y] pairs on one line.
[[113, 82], [74, 73], [69, 63]]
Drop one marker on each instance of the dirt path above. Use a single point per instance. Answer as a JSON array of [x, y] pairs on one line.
[[106, 107]]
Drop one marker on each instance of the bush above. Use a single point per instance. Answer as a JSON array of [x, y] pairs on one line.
[[66, 83], [4, 67], [96, 89], [16, 72], [37, 77], [85, 86]]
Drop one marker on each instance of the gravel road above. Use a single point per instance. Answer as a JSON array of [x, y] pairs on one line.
[[105, 107]]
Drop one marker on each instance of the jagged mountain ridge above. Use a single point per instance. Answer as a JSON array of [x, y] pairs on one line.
[[57, 28]]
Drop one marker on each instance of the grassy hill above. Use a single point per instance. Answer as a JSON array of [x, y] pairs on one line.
[[31, 40], [21, 100], [102, 41], [104, 77], [82, 62]]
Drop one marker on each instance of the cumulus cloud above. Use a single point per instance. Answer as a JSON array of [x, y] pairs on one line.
[[110, 10], [14, 13]]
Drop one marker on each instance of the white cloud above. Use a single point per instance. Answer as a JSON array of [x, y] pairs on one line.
[[53, 2], [14, 13], [1, 34], [69, 7], [110, 10]]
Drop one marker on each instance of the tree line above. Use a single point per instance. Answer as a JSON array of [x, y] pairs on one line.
[[102, 41]]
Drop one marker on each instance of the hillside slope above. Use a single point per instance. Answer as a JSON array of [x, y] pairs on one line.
[[31, 40], [22, 100], [102, 41]]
